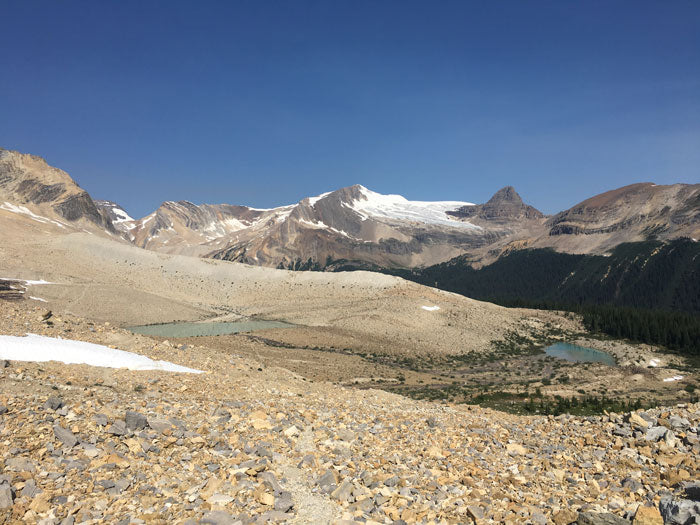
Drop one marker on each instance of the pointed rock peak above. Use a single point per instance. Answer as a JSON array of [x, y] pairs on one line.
[[507, 204], [356, 189], [507, 194], [350, 193]]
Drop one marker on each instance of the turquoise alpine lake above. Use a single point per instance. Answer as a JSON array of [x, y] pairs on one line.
[[203, 329], [579, 354]]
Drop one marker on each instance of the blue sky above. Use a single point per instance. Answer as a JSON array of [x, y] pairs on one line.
[[264, 103]]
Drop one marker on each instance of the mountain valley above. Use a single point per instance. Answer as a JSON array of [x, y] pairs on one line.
[[384, 400]]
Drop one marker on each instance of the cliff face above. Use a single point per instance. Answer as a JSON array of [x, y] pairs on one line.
[[29, 186]]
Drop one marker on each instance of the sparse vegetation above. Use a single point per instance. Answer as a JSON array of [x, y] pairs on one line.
[[646, 292]]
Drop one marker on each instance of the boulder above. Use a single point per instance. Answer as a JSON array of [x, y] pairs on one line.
[[647, 516], [6, 496], [53, 403], [638, 422], [135, 421], [65, 436], [680, 511], [605, 518]]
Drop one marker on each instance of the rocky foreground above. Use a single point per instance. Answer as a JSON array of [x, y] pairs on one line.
[[243, 444]]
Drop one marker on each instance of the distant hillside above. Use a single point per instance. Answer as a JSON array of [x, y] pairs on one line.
[[646, 291], [640, 275], [354, 225]]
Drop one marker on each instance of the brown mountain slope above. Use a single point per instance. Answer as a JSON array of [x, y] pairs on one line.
[[32, 190], [632, 213]]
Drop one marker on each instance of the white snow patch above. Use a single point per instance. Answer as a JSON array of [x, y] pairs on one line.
[[39, 348], [24, 211], [324, 226], [346, 234], [314, 200], [430, 308], [122, 215], [124, 222], [278, 208], [398, 207], [318, 224], [654, 362], [26, 282], [147, 218], [674, 378], [224, 227], [38, 299], [118, 211], [283, 213]]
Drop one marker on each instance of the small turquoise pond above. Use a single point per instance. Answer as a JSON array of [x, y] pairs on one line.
[[202, 329], [579, 354]]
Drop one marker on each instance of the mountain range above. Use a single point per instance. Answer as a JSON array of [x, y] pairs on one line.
[[353, 225]]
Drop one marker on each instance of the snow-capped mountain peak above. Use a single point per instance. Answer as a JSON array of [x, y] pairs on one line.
[[372, 204], [119, 218]]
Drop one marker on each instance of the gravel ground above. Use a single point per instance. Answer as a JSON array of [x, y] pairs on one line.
[[243, 443]]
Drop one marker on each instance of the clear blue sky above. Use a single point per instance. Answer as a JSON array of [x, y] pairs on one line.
[[264, 103]]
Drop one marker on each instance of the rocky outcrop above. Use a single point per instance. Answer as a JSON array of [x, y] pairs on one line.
[[47, 192], [506, 204], [81, 206], [184, 227], [114, 214], [35, 192]]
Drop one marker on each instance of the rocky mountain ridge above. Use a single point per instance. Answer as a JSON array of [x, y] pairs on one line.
[[632, 213], [505, 204], [355, 225], [29, 186]]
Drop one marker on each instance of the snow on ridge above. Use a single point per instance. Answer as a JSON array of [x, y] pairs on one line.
[[278, 208], [225, 226], [41, 349], [117, 210], [314, 200], [121, 214], [318, 224], [323, 226], [398, 207], [147, 218]]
